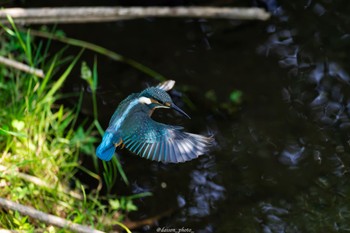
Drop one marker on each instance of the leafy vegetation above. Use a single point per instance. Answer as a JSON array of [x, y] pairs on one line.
[[41, 142], [230, 105]]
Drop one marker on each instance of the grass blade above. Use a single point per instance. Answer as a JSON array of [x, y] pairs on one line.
[[63, 77], [120, 169], [103, 51]]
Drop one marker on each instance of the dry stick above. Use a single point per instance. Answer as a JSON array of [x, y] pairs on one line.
[[100, 14], [7, 231], [48, 218], [39, 182], [20, 66]]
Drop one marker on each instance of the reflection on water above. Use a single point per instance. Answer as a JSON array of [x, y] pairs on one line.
[[316, 89], [205, 192], [292, 154], [272, 219]]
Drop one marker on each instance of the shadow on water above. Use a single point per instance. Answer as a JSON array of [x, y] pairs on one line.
[[282, 160]]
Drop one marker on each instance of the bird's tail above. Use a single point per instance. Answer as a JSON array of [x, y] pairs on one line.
[[106, 149]]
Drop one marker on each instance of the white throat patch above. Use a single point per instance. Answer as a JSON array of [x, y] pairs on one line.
[[145, 100]]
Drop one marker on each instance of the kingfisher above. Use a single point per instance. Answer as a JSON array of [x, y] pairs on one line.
[[131, 126]]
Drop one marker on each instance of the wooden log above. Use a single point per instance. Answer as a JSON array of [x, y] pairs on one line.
[[47, 218], [104, 14]]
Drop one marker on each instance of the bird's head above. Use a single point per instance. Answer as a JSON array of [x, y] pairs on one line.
[[154, 97]]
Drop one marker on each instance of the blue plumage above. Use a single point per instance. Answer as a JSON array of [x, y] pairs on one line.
[[132, 126], [106, 149]]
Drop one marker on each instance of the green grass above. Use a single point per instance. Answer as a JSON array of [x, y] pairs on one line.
[[40, 142], [101, 50]]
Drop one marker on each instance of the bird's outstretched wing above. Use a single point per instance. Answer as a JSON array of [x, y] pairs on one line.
[[159, 142]]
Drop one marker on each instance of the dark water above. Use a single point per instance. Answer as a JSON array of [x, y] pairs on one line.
[[282, 157]]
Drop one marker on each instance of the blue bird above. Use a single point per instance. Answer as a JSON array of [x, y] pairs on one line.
[[132, 126]]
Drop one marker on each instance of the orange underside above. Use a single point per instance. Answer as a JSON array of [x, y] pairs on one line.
[[120, 143]]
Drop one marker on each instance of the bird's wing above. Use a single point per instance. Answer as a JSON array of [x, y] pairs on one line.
[[167, 85], [159, 142], [121, 107]]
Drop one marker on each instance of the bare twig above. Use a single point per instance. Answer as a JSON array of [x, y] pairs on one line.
[[20, 66], [149, 221], [7, 231], [103, 14], [39, 182], [47, 218]]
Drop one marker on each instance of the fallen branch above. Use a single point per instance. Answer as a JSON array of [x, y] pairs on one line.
[[22, 67], [103, 14], [47, 218]]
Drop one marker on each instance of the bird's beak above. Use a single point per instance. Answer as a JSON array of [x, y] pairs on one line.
[[173, 106]]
